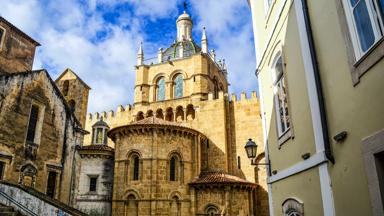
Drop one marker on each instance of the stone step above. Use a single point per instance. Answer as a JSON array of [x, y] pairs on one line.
[[8, 214], [7, 211], [5, 208]]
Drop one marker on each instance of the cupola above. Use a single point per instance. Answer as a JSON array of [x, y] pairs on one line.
[[99, 133], [184, 27]]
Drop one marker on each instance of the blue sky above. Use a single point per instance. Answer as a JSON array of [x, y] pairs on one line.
[[99, 39]]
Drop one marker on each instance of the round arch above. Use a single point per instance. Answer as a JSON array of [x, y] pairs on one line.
[[174, 73]]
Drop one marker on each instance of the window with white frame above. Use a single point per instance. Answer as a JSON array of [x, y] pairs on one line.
[[365, 21], [280, 96], [267, 4]]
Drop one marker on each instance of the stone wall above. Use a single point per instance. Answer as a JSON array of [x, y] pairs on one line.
[[228, 200], [57, 134], [17, 50], [76, 93], [154, 191], [199, 73], [96, 203]]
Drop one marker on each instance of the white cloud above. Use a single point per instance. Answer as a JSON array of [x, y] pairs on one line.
[[155, 8], [67, 31], [229, 29]]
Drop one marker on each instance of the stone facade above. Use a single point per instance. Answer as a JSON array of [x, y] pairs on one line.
[[76, 93], [17, 50], [192, 124], [56, 135], [39, 134], [96, 162]]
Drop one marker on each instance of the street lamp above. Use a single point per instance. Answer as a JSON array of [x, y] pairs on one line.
[[251, 149]]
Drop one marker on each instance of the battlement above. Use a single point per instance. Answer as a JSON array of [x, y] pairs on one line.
[[243, 97], [172, 111], [110, 114]]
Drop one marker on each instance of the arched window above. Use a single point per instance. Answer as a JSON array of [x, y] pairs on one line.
[[179, 114], [178, 86], [139, 116], [280, 96], [175, 206], [211, 210], [132, 206], [190, 112], [149, 113], [172, 167], [292, 207], [169, 114], [160, 89], [175, 168], [72, 105], [159, 114], [65, 87], [136, 166]]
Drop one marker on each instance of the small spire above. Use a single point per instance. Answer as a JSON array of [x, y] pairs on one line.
[[185, 6], [204, 37], [160, 55], [141, 49], [140, 55], [204, 42]]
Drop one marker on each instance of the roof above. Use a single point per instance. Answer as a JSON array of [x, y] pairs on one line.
[[98, 147], [219, 177], [184, 15], [155, 121], [68, 70], [97, 150], [151, 122], [100, 123], [19, 31], [189, 48]]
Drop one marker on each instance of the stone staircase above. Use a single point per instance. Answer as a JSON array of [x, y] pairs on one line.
[[7, 211]]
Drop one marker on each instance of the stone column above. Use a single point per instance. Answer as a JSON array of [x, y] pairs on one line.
[[185, 114], [227, 200], [193, 201]]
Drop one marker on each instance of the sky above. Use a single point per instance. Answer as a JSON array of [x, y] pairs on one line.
[[99, 39]]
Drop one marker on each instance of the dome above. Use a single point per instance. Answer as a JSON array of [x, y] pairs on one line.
[[100, 123], [189, 48], [184, 16]]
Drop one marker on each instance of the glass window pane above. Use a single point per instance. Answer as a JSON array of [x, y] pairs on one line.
[[363, 24], [285, 100], [136, 168], [172, 174], [34, 115], [161, 89], [99, 135], [178, 86], [280, 99], [381, 8]]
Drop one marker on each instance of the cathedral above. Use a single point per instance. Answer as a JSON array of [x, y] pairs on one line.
[[177, 150]]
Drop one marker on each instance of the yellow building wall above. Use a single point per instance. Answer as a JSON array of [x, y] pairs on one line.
[[356, 109], [304, 187]]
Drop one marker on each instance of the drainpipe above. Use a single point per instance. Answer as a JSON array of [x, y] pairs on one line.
[[319, 89], [316, 102]]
